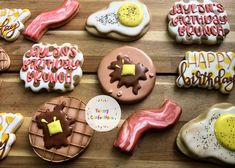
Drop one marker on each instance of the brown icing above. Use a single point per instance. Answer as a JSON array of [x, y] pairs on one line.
[[77, 142], [129, 80], [125, 94], [4, 60], [60, 139]]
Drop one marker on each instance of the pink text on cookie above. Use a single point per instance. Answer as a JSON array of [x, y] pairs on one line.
[[42, 52], [51, 64], [199, 20]]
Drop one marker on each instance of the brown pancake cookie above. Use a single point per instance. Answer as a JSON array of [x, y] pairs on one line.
[[4, 60], [58, 132], [127, 74]]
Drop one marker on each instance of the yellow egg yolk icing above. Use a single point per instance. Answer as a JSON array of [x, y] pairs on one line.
[[130, 14], [225, 131]]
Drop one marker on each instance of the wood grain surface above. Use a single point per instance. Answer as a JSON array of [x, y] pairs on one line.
[[154, 149]]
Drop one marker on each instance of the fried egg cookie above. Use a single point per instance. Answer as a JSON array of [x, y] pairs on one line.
[[126, 20], [9, 123], [12, 22], [58, 131], [210, 136], [212, 70], [198, 21], [52, 67]]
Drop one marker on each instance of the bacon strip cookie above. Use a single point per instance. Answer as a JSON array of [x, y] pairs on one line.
[[144, 120], [51, 19]]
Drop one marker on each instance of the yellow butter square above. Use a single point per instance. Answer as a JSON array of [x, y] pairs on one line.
[[54, 127], [128, 69]]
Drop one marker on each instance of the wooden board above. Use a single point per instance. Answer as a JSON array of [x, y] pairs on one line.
[[154, 149]]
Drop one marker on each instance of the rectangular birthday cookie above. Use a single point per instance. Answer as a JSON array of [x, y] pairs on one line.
[[212, 70]]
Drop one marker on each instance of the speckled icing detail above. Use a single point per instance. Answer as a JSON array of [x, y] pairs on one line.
[[208, 70], [225, 131], [106, 21], [194, 21], [130, 14], [9, 123], [199, 138]]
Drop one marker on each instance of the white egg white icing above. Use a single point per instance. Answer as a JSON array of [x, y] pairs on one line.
[[199, 138], [106, 21]]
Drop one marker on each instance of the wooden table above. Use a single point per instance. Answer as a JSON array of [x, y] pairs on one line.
[[154, 149]]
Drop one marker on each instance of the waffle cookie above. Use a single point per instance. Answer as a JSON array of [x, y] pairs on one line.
[[58, 131], [4, 60]]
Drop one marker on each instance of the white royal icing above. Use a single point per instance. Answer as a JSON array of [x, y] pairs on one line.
[[211, 70], [68, 73], [218, 13], [200, 139], [106, 21], [11, 22], [9, 123]]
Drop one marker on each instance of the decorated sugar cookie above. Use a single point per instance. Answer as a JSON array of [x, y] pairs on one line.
[[58, 131], [4, 60], [12, 22], [126, 20], [210, 136], [208, 70], [198, 21], [51, 19], [127, 74], [52, 67], [9, 123], [143, 120]]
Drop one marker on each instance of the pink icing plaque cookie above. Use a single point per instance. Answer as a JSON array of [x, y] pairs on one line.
[[198, 21], [212, 70], [52, 67]]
